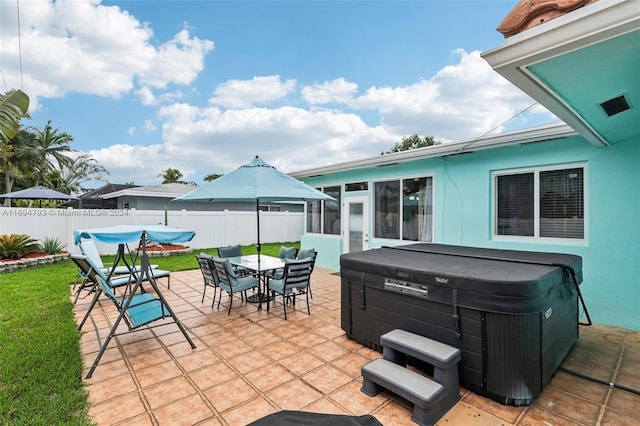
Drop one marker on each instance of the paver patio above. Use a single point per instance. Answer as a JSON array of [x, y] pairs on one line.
[[253, 363]]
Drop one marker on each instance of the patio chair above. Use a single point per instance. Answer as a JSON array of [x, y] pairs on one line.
[[230, 282], [209, 275], [308, 253], [89, 249], [285, 253], [234, 251], [297, 274], [230, 251]]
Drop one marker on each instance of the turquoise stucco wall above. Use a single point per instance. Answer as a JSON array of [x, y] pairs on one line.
[[463, 214]]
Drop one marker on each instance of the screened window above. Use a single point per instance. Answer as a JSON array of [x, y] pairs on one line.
[[356, 186], [545, 203], [323, 217], [331, 211], [403, 209]]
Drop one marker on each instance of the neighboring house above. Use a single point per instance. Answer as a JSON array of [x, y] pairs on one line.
[[93, 199], [155, 197], [568, 188], [159, 197]]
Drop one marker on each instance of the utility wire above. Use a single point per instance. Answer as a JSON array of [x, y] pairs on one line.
[[19, 45], [4, 82], [497, 127]]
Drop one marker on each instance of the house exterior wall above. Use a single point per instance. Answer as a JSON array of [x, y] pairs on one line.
[[463, 213]]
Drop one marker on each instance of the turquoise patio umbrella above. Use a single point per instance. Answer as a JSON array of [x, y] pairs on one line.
[[256, 182]]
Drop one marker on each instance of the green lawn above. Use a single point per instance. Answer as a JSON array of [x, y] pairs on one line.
[[40, 363]]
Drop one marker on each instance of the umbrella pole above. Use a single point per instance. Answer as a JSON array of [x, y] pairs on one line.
[[258, 246]]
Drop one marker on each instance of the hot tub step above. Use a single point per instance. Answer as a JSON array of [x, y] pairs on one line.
[[431, 398], [424, 393]]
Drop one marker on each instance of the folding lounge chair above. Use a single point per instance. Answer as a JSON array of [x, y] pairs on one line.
[[91, 274], [89, 249], [136, 308]]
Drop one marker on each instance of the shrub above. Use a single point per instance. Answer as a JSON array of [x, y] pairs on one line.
[[52, 245], [14, 246]]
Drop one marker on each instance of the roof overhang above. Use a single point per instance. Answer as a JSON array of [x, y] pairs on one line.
[[140, 193], [575, 62], [543, 133]]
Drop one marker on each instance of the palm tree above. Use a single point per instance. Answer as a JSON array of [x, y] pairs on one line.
[[84, 168], [13, 107], [171, 176], [16, 160], [51, 146]]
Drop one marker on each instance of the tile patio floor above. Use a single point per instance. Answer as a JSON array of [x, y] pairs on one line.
[[253, 363]]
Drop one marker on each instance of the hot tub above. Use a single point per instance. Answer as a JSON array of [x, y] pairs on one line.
[[512, 314]]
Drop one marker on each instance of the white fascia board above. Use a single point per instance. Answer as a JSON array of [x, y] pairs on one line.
[[591, 24], [518, 137], [145, 194]]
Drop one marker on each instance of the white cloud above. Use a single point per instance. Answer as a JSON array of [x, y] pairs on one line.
[[246, 93], [82, 46], [177, 61], [137, 163], [149, 126], [462, 100], [146, 96], [338, 90]]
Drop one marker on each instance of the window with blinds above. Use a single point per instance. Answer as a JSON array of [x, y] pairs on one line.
[[542, 203]]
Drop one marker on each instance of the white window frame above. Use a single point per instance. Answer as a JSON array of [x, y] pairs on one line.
[[372, 191], [536, 238]]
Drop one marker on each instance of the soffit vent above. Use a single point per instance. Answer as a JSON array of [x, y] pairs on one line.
[[615, 105]]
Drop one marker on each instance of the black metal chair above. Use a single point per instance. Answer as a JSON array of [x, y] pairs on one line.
[[230, 282], [234, 251], [208, 274], [308, 253], [297, 274]]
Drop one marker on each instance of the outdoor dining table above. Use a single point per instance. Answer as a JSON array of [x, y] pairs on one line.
[[260, 264]]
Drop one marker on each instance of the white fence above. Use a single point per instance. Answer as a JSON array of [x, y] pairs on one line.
[[212, 228]]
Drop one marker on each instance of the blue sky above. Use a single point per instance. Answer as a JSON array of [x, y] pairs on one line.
[[203, 86]]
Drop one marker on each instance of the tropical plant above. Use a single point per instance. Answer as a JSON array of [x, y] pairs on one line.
[[16, 159], [13, 107], [51, 146], [14, 246], [52, 245], [211, 176], [83, 168], [412, 142], [171, 176]]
